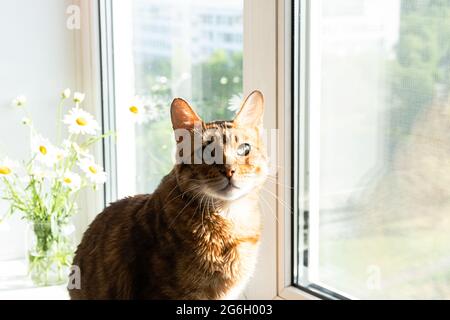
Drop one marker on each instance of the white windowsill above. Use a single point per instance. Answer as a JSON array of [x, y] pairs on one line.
[[15, 285]]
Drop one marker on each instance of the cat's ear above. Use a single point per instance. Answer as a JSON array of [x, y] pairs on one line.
[[251, 112], [183, 116]]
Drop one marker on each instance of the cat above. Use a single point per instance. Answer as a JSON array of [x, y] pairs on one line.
[[197, 235]]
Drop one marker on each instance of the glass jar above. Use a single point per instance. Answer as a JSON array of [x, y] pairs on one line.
[[50, 251]]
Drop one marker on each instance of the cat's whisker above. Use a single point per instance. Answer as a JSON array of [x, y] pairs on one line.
[[214, 207], [271, 178], [207, 206], [171, 191], [204, 208], [206, 180], [202, 211], [275, 181], [198, 206], [270, 209], [185, 192], [217, 185], [180, 195], [278, 199], [187, 204]]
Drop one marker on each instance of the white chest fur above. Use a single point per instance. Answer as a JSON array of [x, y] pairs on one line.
[[246, 222]]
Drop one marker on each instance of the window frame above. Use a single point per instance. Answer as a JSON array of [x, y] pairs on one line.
[[89, 79], [261, 72], [108, 109], [297, 115], [290, 110], [295, 84]]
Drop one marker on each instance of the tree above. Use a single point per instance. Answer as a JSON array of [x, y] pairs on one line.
[[421, 72], [214, 82]]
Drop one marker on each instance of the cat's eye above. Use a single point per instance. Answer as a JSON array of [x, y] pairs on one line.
[[244, 149]]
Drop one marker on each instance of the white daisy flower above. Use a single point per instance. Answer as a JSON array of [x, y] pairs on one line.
[[78, 97], [19, 101], [45, 152], [81, 122], [162, 79], [72, 181], [153, 113], [60, 154], [39, 173], [7, 167], [93, 171], [234, 103], [66, 93], [68, 145], [153, 108], [137, 110]]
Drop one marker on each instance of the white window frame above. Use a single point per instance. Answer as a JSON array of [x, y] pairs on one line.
[[267, 67], [290, 107], [298, 93], [89, 80]]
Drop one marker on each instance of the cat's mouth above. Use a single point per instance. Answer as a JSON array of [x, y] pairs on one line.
[[230, 186], [228, 191]]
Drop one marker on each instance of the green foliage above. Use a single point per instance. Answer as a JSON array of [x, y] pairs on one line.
[[214, 82], [220, 79], [154, 144], [421, 72]]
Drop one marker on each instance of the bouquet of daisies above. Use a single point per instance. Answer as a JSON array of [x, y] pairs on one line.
[[44, 188]]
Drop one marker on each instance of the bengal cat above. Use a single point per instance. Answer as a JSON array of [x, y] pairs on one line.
[[197, 235]]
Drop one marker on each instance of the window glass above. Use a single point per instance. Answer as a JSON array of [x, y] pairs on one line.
[[190, 49], [379, 149]]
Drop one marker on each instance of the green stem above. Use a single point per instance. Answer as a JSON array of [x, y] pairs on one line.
[[14, 195], [59, 120], [98, 138]]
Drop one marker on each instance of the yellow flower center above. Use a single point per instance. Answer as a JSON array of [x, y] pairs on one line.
[[5, 170], [134, 109], [92, 169], [67, 180], [81, 121], [43, 150]]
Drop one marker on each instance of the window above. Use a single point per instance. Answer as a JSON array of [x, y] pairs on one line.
[[165, 49], [372, 148]]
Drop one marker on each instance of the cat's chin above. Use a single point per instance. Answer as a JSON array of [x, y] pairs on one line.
[[229, 193]]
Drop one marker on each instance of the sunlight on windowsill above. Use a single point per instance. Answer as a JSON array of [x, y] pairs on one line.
[[15, 285]]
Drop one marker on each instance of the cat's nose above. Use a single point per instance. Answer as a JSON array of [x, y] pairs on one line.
[[228, 171]]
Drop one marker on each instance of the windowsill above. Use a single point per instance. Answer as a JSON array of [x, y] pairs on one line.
[[15, 285]]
